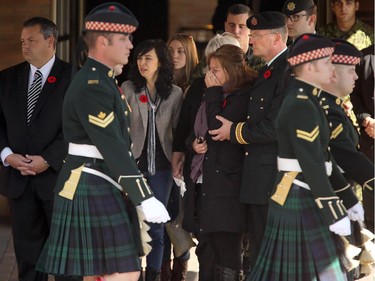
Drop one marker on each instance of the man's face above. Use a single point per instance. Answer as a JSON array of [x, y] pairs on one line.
[[35, 49], [236, 24], [345, 79], [262, 43], [322, 71], [344, 10], [300, 23], [119, 48]]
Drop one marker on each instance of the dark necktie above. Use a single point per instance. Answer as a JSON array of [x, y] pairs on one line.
[[33, 94]]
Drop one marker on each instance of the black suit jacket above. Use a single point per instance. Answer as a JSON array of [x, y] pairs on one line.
[[43, 136], [260, 164]]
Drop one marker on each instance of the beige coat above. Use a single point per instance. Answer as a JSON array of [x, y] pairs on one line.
[[166, 118]]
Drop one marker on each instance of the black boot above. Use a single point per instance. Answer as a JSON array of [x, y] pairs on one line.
[[152, 274]]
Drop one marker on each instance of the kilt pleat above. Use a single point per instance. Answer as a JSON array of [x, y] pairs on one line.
[[91, 234], [297, 243]]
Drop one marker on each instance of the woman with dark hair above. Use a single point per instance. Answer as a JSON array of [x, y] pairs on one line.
[[155, 104], [221, 217]]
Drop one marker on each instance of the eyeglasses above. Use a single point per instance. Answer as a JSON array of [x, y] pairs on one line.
[[259, 36], [295, 18]]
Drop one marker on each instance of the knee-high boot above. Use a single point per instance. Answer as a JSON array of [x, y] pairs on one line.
[[179, 270]]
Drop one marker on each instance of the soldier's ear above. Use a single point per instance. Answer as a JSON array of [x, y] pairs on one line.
[[312, 19], [356, 5]]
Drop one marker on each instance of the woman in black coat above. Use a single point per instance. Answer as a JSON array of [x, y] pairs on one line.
[[221, 216]]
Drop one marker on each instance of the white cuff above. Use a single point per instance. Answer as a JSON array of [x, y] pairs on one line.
[[4, 154]]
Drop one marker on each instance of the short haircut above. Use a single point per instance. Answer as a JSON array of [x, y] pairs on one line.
[[90, 37], [218, 40], [283, 32], [47, 27], [238, 9], [312, 10]]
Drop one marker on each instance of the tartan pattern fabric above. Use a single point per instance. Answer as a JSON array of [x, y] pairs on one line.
[[109, 27], [33, 94], [311, 55], [91, 234], [345, 59], [297, 244]]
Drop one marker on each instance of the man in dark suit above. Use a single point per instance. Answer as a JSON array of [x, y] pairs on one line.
[[31, 140], [268, 38]]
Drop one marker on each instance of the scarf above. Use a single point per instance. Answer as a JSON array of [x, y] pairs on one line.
[[151, 141], [200, 130]]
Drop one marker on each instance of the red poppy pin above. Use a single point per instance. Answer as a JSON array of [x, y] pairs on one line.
[[143, 98], [224, 103], [51, 79], [267, 74]]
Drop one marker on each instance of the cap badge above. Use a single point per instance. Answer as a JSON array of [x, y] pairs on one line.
[[254, 21], [111, 8], [291, 6]]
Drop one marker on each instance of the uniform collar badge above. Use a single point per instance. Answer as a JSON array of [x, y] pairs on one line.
[[111, 73]]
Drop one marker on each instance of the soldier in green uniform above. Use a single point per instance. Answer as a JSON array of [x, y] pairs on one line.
[[345, 133], [305, 213], [346, 26], [91, 234]]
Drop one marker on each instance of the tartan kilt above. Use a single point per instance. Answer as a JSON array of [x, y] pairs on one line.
[[297, 243], [91, 234]]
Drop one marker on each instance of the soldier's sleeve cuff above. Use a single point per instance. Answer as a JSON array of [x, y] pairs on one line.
[[332, 208], [136, 187], [238, 133], [347, 196]]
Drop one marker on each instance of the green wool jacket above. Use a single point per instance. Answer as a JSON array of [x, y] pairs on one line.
[[95, 113]]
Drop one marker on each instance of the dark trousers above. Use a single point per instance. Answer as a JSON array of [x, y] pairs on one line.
[[31, 221], [205, 257], [226, 247], [256, 225]]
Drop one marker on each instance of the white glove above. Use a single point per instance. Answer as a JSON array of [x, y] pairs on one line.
[[341, 227], [181, 184], [154, 211], [356, 213]]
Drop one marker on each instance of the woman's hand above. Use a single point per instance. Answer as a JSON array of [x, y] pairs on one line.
[[199, 145], [211, 79]]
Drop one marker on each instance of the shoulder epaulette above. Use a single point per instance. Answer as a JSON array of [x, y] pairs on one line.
[[93, 78]]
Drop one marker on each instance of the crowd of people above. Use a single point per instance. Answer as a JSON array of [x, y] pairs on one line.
[[263, 147]]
